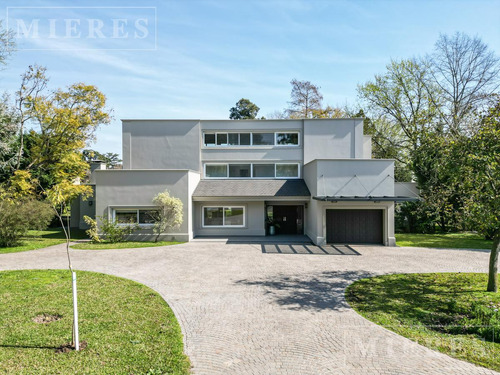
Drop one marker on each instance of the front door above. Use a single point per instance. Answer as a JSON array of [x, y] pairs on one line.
[[289, 219]]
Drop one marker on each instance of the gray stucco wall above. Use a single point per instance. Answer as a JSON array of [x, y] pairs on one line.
[[254, 220], [136, 189], [81, 208], [336, 177], [159, 144], [333, 139]]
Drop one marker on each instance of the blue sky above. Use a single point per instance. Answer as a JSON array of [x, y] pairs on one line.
[[202, 56]]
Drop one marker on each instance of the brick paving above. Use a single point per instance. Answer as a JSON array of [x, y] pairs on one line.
[[244, 310]]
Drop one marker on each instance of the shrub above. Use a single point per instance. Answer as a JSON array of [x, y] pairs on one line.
[[18, 216], [108, 230]]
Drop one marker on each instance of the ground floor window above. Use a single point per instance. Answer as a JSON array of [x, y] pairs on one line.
[[223, 216], [134, 216]]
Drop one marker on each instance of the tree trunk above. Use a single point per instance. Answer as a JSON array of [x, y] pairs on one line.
[[493, 269]]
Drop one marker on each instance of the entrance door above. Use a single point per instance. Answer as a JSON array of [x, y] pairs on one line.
[[289, 218], [354, 226]]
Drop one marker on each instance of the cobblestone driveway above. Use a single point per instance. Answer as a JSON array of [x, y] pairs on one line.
[[244, 311]]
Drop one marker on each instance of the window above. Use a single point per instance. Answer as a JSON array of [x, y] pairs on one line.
[[209, 139], [216, 170], [126, 217], [263, 170], [240, 170], [223, 216], [251, 139], [244, 139], [135, 216], [233, 139], [270, 170], [287, 170], [221, 139], [260, 139], [287, 139]]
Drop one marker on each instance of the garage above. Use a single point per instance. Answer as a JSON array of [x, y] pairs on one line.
[[354, 226]]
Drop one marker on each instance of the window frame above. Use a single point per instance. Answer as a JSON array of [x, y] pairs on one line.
[[287, 178], [223, 217], [286, 132], [216, 178], [136, 209]]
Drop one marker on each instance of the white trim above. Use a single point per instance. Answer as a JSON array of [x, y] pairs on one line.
[[251, 132], [223, 217]]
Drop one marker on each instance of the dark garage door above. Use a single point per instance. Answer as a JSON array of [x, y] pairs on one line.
[[354, 226]]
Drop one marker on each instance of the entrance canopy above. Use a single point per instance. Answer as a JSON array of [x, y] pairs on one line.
[[342, 198]]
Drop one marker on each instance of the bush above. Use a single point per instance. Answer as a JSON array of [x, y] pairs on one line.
[[110, 230], [17, 217]]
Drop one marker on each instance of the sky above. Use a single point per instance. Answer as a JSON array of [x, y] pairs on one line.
[[192, 59]]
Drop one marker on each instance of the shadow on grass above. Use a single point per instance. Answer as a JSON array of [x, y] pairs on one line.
[[28, 346], [316, 292]]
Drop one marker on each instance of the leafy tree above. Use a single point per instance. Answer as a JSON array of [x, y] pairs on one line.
[[111, 159], [467, 74], [478, 172], [111, 230], [7, 44], [9, 125], [168, 215], [243, 110], [306, 98]]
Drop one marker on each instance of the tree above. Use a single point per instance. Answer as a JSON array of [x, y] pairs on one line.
[[244, 110], [168, 215], [466, 73], [478, 172], [306, 98], [111, 159], [7, 44], [9, 125]]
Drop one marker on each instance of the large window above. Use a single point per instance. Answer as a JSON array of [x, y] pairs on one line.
[[251, 139], [135, 216], [287, 139], [223, 216], [216, 170], [287, 170], [256, 170]]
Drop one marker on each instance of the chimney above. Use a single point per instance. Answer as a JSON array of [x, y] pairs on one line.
[[97, 164]]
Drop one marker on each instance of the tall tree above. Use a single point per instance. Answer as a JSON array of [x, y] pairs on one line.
[[305, 99], [111, 159], [466, 73], [243, 110], [7, 44]]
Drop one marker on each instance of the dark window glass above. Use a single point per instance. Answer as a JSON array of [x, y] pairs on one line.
[[233, 216], [147, 216], [263, 170], [216, 170], [209, 139], [126, 217], [263, 138], [287, 170], [213, 216], [222, 139], [287, 138], [239, 170], [244, 139], [233, 139]]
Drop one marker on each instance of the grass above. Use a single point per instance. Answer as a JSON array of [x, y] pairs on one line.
[[463, 240], [122, 245], [128, 328], [38, 239], [449, 312]]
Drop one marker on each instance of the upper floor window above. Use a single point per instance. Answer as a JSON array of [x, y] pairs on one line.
[[253, 170], [251, 139]]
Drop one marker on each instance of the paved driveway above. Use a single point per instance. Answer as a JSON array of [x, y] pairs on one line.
[[245, 311]]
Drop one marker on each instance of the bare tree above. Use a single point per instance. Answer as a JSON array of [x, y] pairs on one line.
[[7, 44], [467, 73], [306, 99]]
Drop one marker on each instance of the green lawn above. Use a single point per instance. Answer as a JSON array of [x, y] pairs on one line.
[[128, 328], [122, 245], [464, 240], [38, 239], [449, 312]]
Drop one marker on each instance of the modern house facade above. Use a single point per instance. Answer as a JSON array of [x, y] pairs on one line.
[[312, 177]]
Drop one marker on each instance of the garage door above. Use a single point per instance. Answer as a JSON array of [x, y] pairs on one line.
[[354, 226]]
